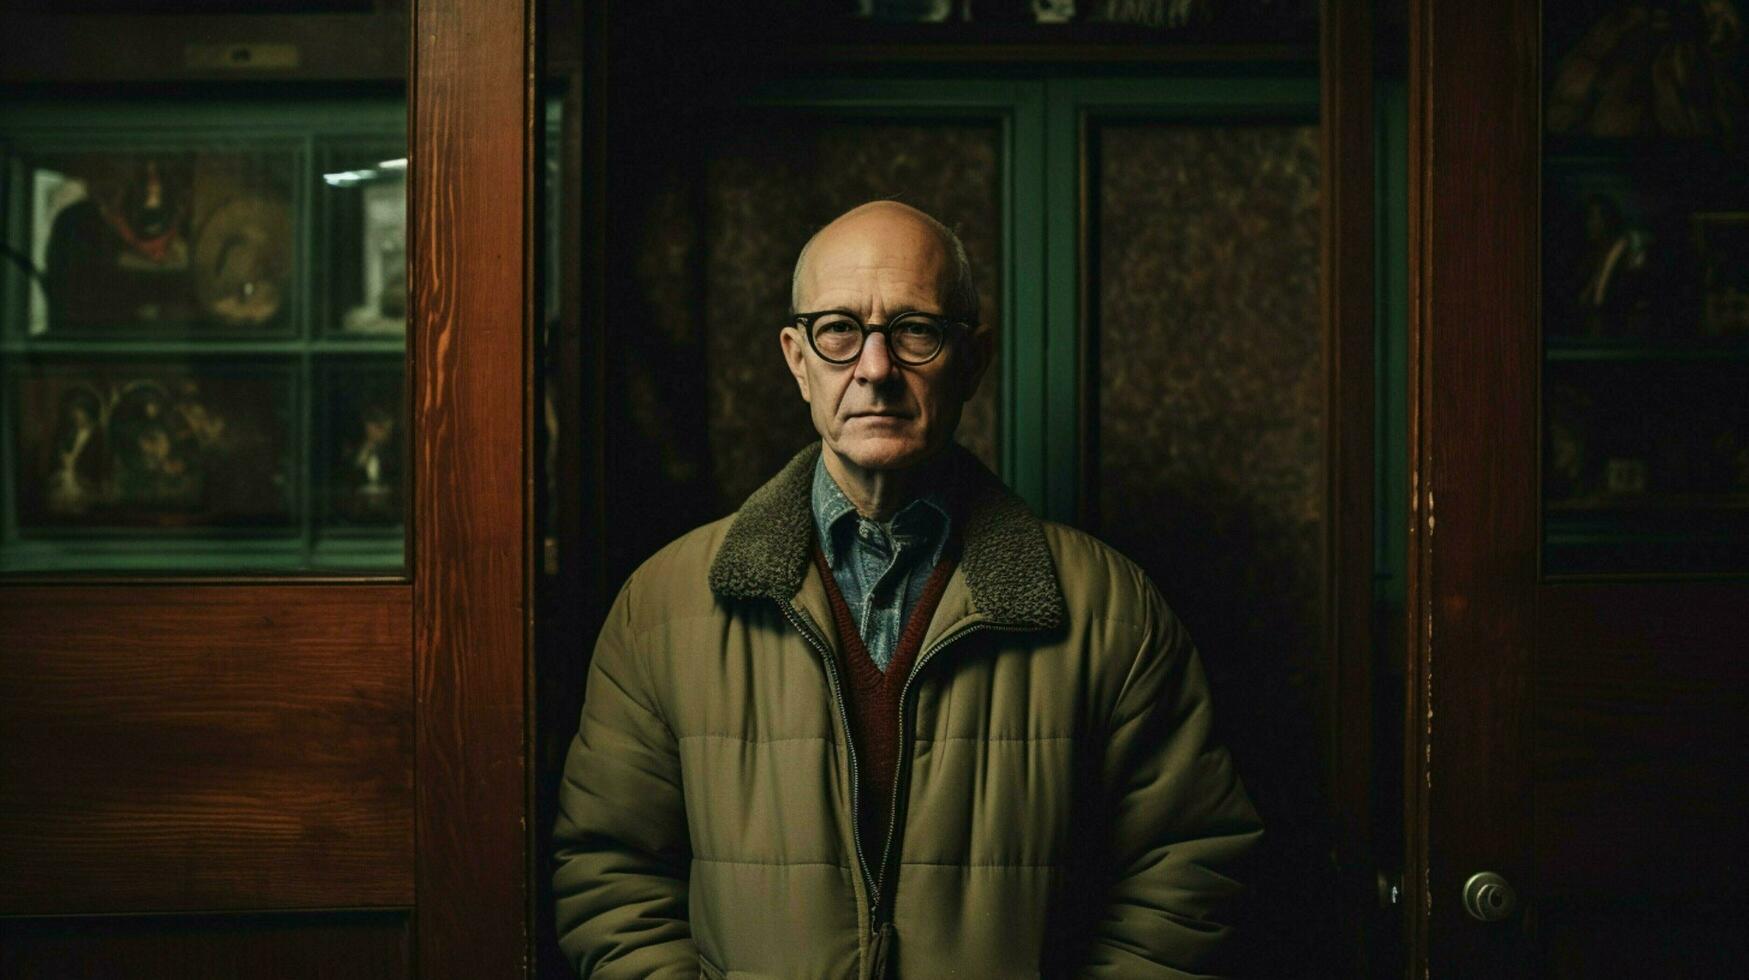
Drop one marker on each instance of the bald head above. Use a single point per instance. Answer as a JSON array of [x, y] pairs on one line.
[[880, 416], [889, 234]]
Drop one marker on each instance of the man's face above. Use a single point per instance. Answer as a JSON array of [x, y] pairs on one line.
[[877, 413]]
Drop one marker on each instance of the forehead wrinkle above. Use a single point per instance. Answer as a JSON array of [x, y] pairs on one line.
[[859, 300], [878, 280]]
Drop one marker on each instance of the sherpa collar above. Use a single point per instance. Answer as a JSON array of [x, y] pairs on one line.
[[1006, 561]]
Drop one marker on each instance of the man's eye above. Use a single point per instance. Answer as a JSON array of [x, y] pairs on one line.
[[835, 326], [918, 328]]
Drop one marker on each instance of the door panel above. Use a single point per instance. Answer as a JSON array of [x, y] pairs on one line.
[[1472, 435], [1642, 707], [206, 747], [330, 945]]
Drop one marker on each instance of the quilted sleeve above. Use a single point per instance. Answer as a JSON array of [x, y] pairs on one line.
[[1180, 820], [621, 843]]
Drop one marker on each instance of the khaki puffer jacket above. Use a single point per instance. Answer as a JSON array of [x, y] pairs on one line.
[[1061, 809]]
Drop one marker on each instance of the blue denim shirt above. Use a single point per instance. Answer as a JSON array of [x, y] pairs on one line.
[[880, 567]]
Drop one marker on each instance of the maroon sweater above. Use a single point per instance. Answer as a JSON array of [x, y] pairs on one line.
[[872, 696]]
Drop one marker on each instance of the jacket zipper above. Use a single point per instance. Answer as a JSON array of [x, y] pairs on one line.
[[795, 620], [876, 879], [899, 771]]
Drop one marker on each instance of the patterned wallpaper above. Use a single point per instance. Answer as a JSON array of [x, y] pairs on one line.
[[1209, 465]]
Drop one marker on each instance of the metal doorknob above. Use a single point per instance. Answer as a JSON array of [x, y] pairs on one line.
[[1489, 897]]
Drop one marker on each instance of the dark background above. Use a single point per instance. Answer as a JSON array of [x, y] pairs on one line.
[[1202, 375]]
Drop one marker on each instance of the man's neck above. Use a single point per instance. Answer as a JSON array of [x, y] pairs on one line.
[[879, 494]]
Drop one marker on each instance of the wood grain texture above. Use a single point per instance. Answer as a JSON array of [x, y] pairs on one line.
[[205, 747], [1418, 596], [1348, 263], [1473, 89], [1642, 712], [344, 945], [471, 182]]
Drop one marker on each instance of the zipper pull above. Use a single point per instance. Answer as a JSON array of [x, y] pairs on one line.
[[880, 954]]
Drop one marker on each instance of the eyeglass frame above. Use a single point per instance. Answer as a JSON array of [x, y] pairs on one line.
[[805, 322]]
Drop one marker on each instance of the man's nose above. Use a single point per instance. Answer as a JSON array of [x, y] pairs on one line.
[[875, 364]]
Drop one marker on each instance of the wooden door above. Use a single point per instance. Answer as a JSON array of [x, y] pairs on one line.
[[304, 775], [1578, 606]]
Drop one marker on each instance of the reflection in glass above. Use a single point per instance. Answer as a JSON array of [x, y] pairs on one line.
[[153, 445], [129, 242], [367, 456], [366, 192]]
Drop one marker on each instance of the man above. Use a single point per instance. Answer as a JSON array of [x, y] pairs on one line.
[[883, 721]]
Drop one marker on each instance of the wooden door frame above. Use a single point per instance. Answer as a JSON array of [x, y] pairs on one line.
[[1348, 293], [472, 116], [1474, 92]]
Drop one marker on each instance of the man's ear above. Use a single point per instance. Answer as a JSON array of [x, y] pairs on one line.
[[981, 346], [795, 354]]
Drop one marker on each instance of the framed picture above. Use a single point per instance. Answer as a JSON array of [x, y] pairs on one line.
[[142, 242], [113, 445], [1612, 250], [1721, 242], [364, 455]]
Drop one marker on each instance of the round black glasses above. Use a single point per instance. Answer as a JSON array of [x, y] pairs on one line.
[[913, 338]]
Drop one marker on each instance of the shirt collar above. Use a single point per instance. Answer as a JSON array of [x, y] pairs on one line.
[[831, 507], [928, 517]]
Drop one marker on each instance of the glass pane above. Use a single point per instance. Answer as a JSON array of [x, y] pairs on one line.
[[1645, 298], [202, 329]]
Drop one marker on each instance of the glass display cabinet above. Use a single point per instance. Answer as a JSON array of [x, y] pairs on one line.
[[202, 336], [1645, 291], [1578, 587]]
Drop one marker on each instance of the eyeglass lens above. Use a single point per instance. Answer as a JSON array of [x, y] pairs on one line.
[[910, 338]]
